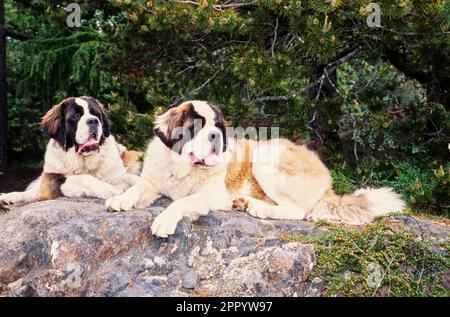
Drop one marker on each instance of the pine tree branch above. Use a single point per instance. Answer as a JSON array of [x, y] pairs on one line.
[[275, 35], [218, 7], [331, 67], [206, 83], [414, 33], [16, 35]]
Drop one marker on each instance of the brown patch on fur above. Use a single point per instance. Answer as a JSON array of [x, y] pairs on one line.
[[181, 116], [221, 124], [52, 119], [130, 157], [184, 107], [329, 193], [348, 208], [296, 159], [50, 187], [240, 204], [239, 171], [359, 200], [177, 120], [346, 200]]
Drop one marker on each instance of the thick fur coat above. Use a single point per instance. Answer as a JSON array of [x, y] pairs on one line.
[[193, 161]]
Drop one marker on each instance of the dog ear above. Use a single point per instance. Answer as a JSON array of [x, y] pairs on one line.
[[106, 123], [221, 124], [167, 123], [53, 123]]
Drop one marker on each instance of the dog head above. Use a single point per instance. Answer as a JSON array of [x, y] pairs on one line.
[[77, 122], [195, 130]]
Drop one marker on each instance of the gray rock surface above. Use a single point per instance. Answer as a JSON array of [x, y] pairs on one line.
[[74, 247], [190, 280]]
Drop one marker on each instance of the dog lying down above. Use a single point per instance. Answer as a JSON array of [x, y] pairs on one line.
[[82, 158], [192, 161]]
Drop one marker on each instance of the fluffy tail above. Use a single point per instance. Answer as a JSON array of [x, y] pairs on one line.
[[358, 208]]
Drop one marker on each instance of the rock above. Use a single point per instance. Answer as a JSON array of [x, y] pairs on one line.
[[74, 247], [190, 280], [24, 291], [315, 288], [429, 231]]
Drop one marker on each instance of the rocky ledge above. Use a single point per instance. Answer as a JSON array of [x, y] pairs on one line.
[[75, 248]]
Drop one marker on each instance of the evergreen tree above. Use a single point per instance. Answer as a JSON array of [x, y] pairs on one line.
[[3, 137], [369, 95]]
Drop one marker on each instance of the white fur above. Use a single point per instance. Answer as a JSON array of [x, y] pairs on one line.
[[197, 190], [106, 166], [382, 200], [100, 175], [83, 131], [200, 145]]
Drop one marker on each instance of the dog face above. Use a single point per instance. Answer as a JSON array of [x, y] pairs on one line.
[[77, 122], [196, 131]]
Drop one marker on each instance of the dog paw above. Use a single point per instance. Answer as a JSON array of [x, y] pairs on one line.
[[119, 203], [107, 191], [240, 204], [251, 206], [142, 204], [166, 223], [9, 199], [258, 212]]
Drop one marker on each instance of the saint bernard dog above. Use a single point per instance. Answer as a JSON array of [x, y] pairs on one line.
[[193, 161], [82, 158]]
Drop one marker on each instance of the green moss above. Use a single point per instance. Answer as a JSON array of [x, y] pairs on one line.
[[377, 260]]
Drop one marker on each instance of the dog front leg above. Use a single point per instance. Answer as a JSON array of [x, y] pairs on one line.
[[140, 195], [85, 185], [193, 206], [127, 180]]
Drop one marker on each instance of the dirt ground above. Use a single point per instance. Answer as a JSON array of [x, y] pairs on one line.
[[17, 178]]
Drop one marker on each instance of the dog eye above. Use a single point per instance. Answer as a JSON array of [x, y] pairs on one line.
[[76, 116]]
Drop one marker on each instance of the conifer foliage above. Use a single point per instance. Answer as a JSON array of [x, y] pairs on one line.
[[318, 69]]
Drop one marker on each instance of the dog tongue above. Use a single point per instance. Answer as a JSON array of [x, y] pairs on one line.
[[211, 159], [89, 143]]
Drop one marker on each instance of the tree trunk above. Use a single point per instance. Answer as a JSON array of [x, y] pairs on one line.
[[3, 136]]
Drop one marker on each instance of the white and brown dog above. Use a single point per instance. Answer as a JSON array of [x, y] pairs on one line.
[[82, 158], [194, 162]]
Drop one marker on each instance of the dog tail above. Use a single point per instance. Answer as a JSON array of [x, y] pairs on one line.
[[358, 208]]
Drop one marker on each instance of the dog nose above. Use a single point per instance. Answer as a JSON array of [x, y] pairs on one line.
[[200, 162], [93, 122], [213, 136]]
